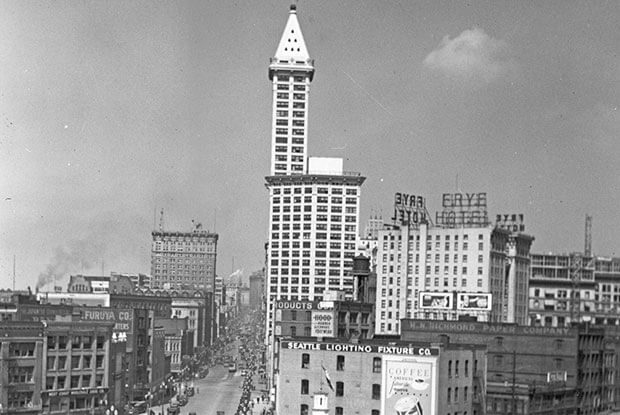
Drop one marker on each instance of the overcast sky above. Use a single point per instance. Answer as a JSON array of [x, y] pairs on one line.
[[113, 110]]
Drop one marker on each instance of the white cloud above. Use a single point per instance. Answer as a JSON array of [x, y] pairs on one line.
[[472, 55]]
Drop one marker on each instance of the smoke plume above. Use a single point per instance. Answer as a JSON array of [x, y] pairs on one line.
[[75, 258]]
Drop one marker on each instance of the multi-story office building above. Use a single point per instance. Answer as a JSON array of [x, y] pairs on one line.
[[448, 273], [314, 203], [184, 260], [76, 367], [572, 288]]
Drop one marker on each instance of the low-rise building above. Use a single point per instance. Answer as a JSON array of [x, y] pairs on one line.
[[76, 366], [21, 354], [378, 377], [533, 369], [179, 341]]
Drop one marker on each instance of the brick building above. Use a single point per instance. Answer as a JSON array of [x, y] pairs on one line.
[[21, 354], [372, 377], [537, 370], [76, 366]]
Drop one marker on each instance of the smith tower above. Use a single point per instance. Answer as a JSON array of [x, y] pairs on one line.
[[290, 71], [313, 202]]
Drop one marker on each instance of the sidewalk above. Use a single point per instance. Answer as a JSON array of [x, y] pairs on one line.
[[157, 410], [259, 392]]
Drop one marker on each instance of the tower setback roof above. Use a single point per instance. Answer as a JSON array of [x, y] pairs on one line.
[[292, 45]]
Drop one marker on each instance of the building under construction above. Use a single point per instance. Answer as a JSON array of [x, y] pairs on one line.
[[573, 288]]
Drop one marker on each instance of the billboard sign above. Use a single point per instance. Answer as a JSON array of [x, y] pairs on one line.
[[473, 301], [409, 385], [323, 324], [559, 376], [435, 301]]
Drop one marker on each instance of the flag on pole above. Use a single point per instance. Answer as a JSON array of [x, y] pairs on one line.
[[327, 378]]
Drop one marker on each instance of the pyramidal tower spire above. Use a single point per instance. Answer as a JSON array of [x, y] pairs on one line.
[[291, 70]]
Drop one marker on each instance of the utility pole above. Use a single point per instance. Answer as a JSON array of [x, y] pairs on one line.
[[587, 251], [514, 382]]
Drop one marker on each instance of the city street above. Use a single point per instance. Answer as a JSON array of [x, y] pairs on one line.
[[219, 391]]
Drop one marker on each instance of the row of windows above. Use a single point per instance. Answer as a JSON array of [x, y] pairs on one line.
[[319, 208], [285, 113], [295, 123], [285, 87], [79, 381], [336, 272], [284, 140], [77, 342], [437, 258], [77, 362], [296, 236], [317, 244], [340, 363], [306, 254], [286, 78], [319, 218], [455, 398], [296, 104], [320, 190], [339, 389], [430, 237], [429, 246], [308, 199]]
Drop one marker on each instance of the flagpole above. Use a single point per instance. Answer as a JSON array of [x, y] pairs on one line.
[[321, 377]]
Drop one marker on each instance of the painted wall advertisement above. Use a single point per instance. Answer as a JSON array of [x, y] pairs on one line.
[[409, 385], [122, 318], [322, 324]]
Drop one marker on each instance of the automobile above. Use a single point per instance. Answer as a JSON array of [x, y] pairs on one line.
[[192, 413], [137, 407], [244, 372], [232, 367], [174, 410], [182, 400]]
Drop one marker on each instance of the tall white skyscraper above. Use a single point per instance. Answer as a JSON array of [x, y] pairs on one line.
[[313, 202], [290, 71]]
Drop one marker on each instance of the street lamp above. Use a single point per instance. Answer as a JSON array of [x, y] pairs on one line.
[[109, 410]]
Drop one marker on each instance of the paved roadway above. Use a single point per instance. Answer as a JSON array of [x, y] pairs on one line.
[[219, 391]]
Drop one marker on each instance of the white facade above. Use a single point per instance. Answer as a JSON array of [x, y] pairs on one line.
[[313, 203], [426, 259], [190, 309], [290, 71], [313, 232]]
